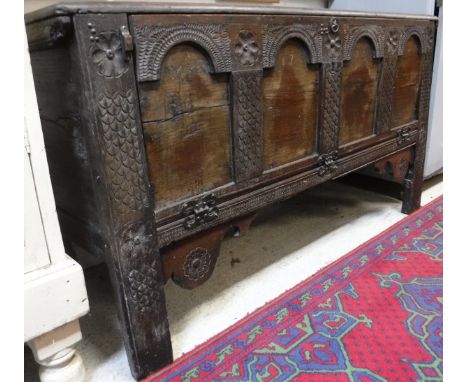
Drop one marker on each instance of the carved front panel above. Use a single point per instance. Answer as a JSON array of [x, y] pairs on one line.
[[290, 95], [232, 103], [407, 84], [359, 93], [187, 128]]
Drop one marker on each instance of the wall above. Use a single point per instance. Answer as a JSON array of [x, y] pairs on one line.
[[422, 7]]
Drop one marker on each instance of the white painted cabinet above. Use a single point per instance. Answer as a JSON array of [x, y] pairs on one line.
[[54, 288]]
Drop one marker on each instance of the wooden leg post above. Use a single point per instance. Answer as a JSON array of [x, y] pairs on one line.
[[123, 192]]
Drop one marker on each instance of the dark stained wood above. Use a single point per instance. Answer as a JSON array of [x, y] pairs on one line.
[[289, 107], [359, 93], [166, 134], [114, 138], [58, 90], [188, 140], [405, 107]]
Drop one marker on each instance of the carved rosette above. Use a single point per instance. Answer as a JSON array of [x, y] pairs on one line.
[[391, 43], [107, 53], [197, 264], [246, 48], [201, 211], [332, 39]]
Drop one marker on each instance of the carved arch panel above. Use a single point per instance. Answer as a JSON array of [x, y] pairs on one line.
[[274, 36], [153, 42], [359, 87], [407, 81], [290, 106], [187, 123], [374, 33], [421, 33]]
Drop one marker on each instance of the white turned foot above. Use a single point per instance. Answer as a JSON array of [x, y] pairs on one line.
[[65, 366], [55, 353]]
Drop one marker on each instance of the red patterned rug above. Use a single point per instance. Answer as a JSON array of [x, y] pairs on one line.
[[373, 315]]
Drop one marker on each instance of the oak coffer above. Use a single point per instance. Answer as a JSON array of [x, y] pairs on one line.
[[168, 125]]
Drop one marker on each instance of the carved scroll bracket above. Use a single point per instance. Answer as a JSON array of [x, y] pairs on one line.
[[201, 211]]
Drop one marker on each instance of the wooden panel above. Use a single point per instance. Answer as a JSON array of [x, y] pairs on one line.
[[359, 93], [188, 138], [407, 82], [290, 107]]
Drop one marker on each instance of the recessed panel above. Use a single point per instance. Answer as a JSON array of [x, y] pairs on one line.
[[187, 126], [408, 79], [360, 80], [289, 106]]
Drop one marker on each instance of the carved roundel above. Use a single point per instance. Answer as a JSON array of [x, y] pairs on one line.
[[197, 264], [107, 53], [246, 48]]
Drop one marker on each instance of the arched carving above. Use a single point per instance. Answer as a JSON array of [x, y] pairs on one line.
[[360, 78], [290, 103], [424, 36], [153, 43], [374, 33], [274, 36]]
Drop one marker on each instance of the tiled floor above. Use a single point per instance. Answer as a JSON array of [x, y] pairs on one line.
[[287, 243]]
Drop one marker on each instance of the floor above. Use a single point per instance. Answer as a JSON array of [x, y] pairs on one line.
[[287, 243]]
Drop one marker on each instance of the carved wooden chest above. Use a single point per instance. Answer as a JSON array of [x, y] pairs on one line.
[[166, 126]]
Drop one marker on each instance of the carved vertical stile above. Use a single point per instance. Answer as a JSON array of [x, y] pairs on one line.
[[122, 189], [246, 96], [412, 187], [331, 93], [247, 124], [387, 83], [331, 75]]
